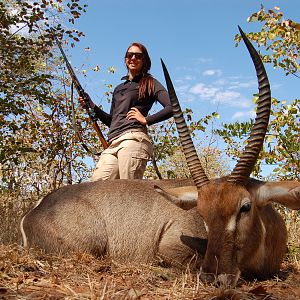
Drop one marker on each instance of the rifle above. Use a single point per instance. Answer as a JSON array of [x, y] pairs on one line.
[[83, 94]]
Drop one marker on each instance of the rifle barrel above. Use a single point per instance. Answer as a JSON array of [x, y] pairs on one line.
[[81, 93]]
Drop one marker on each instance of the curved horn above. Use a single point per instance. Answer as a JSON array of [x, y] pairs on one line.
[[189, 150], [246, 162]]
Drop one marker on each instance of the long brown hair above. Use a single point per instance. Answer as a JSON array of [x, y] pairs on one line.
[[147, 82]]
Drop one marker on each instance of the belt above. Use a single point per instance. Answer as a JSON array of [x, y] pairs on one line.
[[144, 130]]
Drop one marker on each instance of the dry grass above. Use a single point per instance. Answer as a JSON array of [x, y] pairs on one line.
[[12, 208], [292, 221], [33, 275]]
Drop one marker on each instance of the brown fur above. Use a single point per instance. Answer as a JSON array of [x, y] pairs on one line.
[[252, 242], [124, 219], [129, 221]]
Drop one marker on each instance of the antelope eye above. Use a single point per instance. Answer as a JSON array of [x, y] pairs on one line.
[[245, 207]]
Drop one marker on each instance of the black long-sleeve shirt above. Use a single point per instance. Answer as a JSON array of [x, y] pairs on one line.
[[125, 96]]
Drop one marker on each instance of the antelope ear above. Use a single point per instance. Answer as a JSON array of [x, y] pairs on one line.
[[286, 193], [195, 243], [184, 197]]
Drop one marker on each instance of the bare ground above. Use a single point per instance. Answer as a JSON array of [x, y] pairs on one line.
[[33, 275]]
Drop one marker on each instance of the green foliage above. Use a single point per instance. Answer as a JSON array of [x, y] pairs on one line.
[[279, 36], [282, 144], [36, 140], [281, 39], [168, 153], [26, 47]]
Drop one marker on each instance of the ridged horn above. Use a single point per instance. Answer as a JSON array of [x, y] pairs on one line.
[[188, 147], [247, 160]]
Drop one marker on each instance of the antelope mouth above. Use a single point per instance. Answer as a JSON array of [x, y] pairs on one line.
[[221, 280]]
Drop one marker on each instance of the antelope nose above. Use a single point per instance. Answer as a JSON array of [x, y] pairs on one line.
[[228, 280], [207, 277], [223, 280]]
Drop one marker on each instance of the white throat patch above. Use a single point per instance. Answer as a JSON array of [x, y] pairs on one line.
[[231, 225]]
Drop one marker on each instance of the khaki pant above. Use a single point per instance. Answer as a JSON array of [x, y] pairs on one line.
[[125, 158]]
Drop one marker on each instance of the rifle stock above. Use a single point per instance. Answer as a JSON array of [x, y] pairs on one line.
[[82, 94]]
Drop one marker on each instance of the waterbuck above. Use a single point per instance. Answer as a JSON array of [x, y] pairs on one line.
[[124, 219], [245, 234], [134, 221]]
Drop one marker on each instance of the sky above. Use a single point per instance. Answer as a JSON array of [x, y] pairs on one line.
[[195, 38]]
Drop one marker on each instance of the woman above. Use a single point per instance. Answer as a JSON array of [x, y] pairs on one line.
[[129, 144]]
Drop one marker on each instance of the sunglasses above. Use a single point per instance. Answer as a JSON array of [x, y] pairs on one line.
[[137, 55]]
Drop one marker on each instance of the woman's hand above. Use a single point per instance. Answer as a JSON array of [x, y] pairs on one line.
[[134, 113], [83, 104]]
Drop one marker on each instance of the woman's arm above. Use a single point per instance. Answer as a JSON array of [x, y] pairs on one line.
[[102, 115], [162, 97]]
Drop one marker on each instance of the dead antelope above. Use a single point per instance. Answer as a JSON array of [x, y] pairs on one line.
[[126, 220], [245, 234], [130, 221]]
